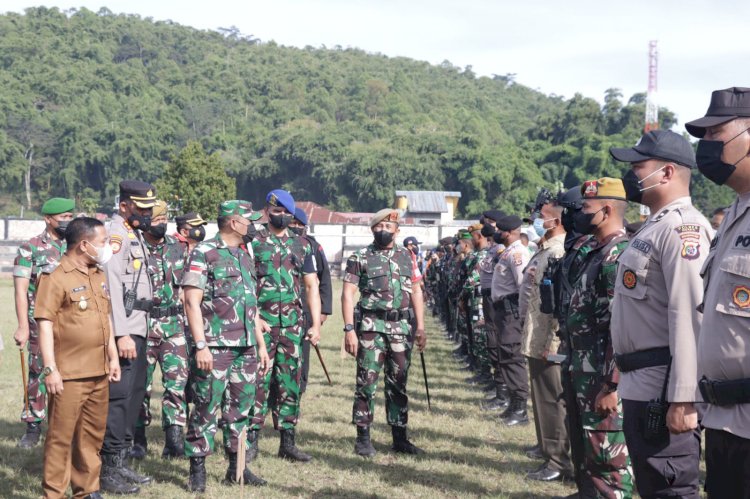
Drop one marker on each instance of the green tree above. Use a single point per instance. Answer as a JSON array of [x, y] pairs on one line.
[[196, 181]]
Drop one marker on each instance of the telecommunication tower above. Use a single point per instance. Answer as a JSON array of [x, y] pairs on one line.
[[652, 108]]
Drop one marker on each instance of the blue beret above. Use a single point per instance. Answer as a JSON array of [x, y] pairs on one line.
[[300, 215], [280, 197]]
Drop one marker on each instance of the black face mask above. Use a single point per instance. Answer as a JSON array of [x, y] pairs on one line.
[[498, 237], [250, 235], [567, 219], [383, 238], [158, 231], [487, 230], [280, 221], [582, 222], [297, 230], [139, 222], [632, 185], [61, 228], [708, 158], [197, 233]]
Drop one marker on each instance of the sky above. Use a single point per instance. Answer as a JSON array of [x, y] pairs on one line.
[[557, 47]]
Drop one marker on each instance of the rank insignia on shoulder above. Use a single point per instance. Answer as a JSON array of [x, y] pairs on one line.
[[116, 242], [741, 296], [629, 279]]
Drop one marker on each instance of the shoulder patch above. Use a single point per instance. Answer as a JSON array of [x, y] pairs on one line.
[[115, 240], [691, 236]]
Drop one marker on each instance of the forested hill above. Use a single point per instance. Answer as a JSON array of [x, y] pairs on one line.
[[90, 98]]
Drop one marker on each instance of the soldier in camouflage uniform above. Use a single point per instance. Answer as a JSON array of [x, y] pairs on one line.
[[166, 338], [220, 304], [607, 471], [284, 263], [40, 255], [474, 310], [380, 337]]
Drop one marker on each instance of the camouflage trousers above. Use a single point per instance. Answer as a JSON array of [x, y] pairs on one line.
[[279, 388], [607, 463], [37, 389], [479, 348], [377, 352], [233, 377], [172, 355]]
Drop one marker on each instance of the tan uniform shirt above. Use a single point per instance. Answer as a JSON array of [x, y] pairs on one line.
[[509, 270], [538, 328], [130, 258], [657, 290], [78, 306], [724, 340]]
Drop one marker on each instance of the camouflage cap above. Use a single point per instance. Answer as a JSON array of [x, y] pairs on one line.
[[238, 207], [55, 206], [384, 215], [160, 208], [603, 188], [191, 218]]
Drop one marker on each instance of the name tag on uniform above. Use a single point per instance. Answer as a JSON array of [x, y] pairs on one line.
[[641, 245], [78, 289]]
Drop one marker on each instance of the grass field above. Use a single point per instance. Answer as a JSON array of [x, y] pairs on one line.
[[468, 454]]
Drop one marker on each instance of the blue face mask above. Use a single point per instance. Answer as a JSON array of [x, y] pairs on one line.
[[539, 226]]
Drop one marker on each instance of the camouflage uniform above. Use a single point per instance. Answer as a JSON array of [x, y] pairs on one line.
[[166, 336], [226, 276], [608, 472], [384, 278], [475, 311], [280, 264], [40, 255]]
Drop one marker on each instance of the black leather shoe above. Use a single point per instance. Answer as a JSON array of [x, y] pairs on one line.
[[546, 474], [94, 495]]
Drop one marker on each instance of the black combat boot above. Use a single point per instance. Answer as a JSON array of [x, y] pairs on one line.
[[252, 451], [197, 478], [517, 415], [362, 446], [31, 437], [247, 476], [140, 445], [127, 473], [94, 495], [174, 442], [401, 443], [288, 450], [110, 479]]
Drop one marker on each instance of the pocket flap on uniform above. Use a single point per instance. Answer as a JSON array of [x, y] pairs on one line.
[[77, 295], [738, 264], [632, 272]]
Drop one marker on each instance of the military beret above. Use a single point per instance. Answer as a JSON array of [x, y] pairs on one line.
[[280, 197], [603, 188], [446, 241], [476, 226], [464, 234], [160, 208], [509, 223], [191, 218], [725, 106], [238, 207], [55, 206], [300, 215], [142, 194], [493, 215], [384, 215]]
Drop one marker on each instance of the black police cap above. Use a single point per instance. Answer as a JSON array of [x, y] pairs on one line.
[[657, 144], [509, 223]]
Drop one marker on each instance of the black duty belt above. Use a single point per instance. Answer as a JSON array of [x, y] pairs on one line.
[[170, 311], [736, 391], [389, 315], [644, 358], [585, 343], [144, 305]]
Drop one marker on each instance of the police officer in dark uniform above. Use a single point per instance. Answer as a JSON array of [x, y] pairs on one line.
[[132, 299], [299, 227]]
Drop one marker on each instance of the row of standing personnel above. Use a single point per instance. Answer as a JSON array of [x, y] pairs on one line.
[[652, 324]]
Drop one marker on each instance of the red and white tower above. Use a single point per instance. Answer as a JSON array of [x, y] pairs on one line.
[[652, 108]]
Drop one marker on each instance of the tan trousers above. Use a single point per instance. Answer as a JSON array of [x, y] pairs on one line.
[[77, 420], [549, 413]]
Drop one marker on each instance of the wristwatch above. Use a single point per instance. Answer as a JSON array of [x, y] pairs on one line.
[[348, 327], [48, 370], [200, 345]]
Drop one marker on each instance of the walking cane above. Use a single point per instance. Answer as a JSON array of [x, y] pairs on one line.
[[320, 358], [25, 381], [426, 385], [239, 475]]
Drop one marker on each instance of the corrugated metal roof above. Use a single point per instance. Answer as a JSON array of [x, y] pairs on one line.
[[427, 201]]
